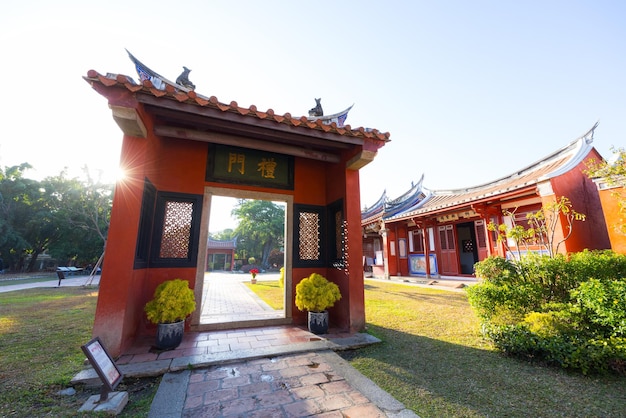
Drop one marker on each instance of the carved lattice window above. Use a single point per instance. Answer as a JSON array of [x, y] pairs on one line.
[[176, 230], [309, 247], [309, 242]]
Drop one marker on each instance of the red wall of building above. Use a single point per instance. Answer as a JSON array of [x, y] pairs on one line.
[[583, 194], [179, 166], [613, 218]]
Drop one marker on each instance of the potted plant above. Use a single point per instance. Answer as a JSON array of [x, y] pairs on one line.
[[173, 302], [315, 294], [253, 273]]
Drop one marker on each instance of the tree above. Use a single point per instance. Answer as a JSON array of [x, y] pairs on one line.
[[68, 217], [542, 227], [15, 195], [261, 227], [83, 209]]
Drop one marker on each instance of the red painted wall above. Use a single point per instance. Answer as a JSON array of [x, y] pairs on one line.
[[176, 165], [583, 194], [613, 218]]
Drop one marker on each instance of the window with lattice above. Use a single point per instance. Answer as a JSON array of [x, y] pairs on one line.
[[176, 230], [309, 243], [310, 236]]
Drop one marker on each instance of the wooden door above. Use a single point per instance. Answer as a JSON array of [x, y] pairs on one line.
[[481, 239], [449, 264]]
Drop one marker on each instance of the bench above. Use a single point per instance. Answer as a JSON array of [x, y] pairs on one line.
[[61, 276], [69, 270]]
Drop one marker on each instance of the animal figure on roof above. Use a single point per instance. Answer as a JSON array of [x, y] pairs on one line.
[[183, 79], [317, 110]]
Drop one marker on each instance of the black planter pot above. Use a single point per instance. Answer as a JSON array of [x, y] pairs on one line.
[[169, 336], [318, 322]]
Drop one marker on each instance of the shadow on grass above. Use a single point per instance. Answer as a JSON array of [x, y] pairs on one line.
[[436, 378]]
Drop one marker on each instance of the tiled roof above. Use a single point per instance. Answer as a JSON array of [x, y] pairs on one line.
[[374, 212], [191, 97], [221, 244], [527, 178]]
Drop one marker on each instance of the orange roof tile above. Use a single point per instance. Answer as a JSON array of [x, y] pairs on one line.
[[191, 97]]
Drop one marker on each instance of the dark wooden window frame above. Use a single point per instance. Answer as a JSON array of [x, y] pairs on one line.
[[192, 256], [146, 219], [151, 228], [321, 213]]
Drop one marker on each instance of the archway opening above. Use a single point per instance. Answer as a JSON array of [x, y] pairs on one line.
[[253, 229]]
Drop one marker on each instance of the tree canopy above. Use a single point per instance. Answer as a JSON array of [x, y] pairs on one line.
[[261, 228], [66, 218]]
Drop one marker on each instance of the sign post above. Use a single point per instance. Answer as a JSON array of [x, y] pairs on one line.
[[110, 375], [104, 365]]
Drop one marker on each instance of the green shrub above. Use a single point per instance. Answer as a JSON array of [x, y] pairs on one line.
[[561, 311], [490, 301], [589, 356], [550, 323], [173, 301], [281, 278], [601, 265], [497, 270], [315, 293], [603, 306]]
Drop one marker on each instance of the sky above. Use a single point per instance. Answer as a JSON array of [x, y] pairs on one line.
[[469, 91]]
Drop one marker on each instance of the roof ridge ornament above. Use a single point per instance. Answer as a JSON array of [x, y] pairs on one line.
[[158, 81], [183, 79], [317, 110], [317, 113], [588, 136]]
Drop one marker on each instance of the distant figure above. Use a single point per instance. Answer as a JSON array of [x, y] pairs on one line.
[[317, 110], [183, 79]]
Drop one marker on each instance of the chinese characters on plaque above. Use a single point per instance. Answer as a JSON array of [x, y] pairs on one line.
[[248, 166]]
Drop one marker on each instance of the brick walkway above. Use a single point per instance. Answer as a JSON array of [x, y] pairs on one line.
[[227, 299], [269, 372], [298, 385], [214, 342]]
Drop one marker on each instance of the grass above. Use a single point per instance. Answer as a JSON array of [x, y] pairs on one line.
[[41, 331], [270, 292], [434, 360]]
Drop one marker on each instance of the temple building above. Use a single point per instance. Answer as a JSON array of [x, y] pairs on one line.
[[180, 149], [432, 233], [220, 254]]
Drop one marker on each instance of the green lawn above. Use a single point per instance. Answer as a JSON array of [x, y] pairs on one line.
[[434, 360], [41, 331], [270, 292]]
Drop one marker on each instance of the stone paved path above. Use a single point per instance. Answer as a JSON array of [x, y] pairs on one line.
[[297, 385], [227, 299]]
